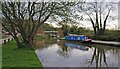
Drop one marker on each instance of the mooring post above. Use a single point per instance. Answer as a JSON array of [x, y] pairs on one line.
[[8, 40], [4, 41]]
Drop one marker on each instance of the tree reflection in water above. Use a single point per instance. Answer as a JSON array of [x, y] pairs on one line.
[[99, 56], [63, 50], [66, 47]]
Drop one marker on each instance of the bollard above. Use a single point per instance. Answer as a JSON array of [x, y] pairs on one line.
[[8, 40], [11, 38], [4, 41]]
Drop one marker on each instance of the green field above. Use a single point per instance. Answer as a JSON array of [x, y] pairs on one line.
[[13, 57]]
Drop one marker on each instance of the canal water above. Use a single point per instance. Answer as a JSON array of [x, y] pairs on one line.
[[75, 54]]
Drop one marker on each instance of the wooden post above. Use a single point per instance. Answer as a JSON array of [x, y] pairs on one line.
[[4, 41], [11, 38], [8, 40]]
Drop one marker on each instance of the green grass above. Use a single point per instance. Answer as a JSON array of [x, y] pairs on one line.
[[50, 41], [109, 35], [37, 38], [13, 57]]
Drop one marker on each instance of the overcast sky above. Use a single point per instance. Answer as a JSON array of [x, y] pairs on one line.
[[111, 24]]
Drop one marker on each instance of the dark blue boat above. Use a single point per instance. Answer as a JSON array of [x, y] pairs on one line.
[[78, 38]]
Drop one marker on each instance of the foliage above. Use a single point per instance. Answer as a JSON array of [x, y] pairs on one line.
[[65, 27], [110, 35], [37, 38], [73, 29], [50, 41], [47, 27]]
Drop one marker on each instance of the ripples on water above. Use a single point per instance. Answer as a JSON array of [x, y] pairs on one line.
[[75, 54]]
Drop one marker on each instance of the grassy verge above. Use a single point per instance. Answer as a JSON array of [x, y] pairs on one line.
[[13, 57], [107, 38], [37, 38], [46, 39], [110, 35]]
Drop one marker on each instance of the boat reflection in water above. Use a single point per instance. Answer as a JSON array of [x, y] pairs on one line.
[[65, 48], [80, 47]]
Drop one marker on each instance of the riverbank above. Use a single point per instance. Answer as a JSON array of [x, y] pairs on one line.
[[111, 43], [13, 57], [115, 38]]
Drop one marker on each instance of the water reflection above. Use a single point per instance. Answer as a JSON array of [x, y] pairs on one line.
[[72, 54], [44, 43], [66, 47], [80, 47], [98, 56], [63, 50]]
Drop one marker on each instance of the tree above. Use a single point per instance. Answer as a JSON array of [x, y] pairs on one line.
[[73, 29], [26, 17], [47, 27], [98, 13], [65, 27], [80, 30]]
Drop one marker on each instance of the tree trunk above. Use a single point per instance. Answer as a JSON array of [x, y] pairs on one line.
[[19, 45], [94, 30], [97, 23], [100, 19]]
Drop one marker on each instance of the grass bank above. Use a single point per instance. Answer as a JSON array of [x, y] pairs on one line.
[[47, 40], [109, 35], [13, 57]]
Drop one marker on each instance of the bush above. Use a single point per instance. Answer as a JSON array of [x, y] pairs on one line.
[[109, 35], [106, 38]]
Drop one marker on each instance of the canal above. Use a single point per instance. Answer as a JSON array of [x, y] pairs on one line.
[[75, 54]]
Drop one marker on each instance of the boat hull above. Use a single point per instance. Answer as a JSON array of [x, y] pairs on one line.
[[78, 38], [80, 41]]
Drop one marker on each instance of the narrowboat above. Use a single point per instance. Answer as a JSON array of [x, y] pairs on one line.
[[81, 38]]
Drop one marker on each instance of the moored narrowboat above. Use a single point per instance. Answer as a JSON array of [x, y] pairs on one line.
[[78, 38]]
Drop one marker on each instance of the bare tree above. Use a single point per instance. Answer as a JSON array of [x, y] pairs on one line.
[[98, 13], [26, 17]]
